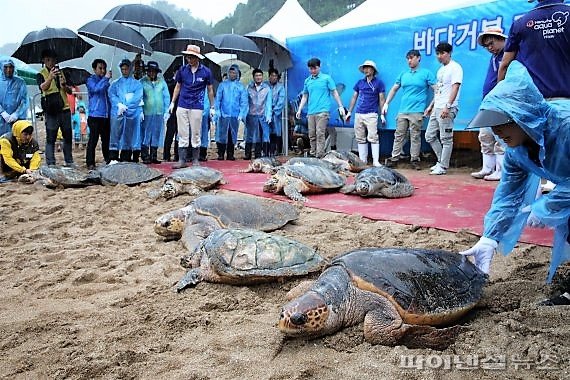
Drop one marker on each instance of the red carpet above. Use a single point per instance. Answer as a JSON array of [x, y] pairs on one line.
[[452, 202]]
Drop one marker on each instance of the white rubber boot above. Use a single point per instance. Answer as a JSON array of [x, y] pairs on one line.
[[496, 175], [375, 154], [363, 152], [488, 166]]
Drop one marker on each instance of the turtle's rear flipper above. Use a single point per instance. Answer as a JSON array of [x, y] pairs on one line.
[[430, 337], [190, 279]]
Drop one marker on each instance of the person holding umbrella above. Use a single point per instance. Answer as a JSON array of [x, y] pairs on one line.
[[156, 100], [99, 112], [56, 108], [13, 97], [191, 81], [126, 94]]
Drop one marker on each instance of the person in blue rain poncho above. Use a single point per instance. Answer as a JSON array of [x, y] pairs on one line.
[[259, 116], [276, 125], [231, 107], [13, 97], [537, 135], [126, 94], [156, 100], [205, 132]]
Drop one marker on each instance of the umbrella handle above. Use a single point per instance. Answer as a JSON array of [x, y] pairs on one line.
[[113, 58]]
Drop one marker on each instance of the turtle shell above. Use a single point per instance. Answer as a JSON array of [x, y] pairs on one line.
[[315, 176], [127, 173], [251, 254], [312, 161], [201, 176], [346, 160], [68, 177], [246, 212], [383, 181], [426, 286]]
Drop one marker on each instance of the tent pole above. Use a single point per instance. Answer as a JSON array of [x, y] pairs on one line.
[[285, 122]]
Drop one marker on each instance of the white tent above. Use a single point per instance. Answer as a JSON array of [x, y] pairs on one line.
[[378, 11], [290, 21]]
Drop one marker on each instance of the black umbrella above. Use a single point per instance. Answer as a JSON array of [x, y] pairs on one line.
[[213, 66], [274, 52], [66, 44], [75, 76], [245, 49], [140, 15], [112, 33], [173, 41]]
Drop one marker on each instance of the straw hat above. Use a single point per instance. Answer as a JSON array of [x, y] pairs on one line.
[[491, 32], [368, 63], [193, 50]]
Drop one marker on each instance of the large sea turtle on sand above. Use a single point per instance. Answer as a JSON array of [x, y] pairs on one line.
[[192, 180], [241, 257], [345, 160], [211, 212], [60, 177], [380, 182], [403, 295], [295, 180], [127, 173]]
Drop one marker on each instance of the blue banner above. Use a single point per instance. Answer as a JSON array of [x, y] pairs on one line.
[[341, 52]]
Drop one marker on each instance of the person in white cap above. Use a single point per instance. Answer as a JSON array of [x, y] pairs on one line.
[[492, 150], [192, 80], [370, 90]]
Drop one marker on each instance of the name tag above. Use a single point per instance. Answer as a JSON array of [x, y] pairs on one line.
[[29, 155]]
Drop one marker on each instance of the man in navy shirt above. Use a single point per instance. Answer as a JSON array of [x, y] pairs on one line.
[[191, 81]]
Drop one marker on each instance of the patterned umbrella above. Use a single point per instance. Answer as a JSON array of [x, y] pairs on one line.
[[245, 49], [140, 15]]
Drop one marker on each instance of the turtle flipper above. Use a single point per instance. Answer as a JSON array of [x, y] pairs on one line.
[[291, 190], [190, 279], [398, 190], [193, 190], [430, 337], [347, 189]]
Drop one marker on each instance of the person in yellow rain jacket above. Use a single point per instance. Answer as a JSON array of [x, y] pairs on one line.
[[19, 151]]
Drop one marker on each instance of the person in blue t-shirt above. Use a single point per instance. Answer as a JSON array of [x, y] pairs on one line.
[[415, 83], [369, 91], [492, 150], [317, 89]]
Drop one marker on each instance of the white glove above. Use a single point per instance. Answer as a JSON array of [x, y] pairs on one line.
[[342, 112], [171, 108], [5, 116], [532, 220], [268, 120], [383, 119], [482, 252], [142, 116], [121, 108], [13, 117], [166, 116], [385, 109], [212, 112], [347, 116]]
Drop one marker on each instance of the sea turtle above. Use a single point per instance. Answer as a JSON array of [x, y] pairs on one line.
[[295, 180], [406, 296], [380, 181], [242, 256], [211, 212], [60, 177], [262, 165], [346, 160], [127, 173], [192, 180]]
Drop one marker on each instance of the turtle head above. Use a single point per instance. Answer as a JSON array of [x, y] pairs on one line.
[[362, 188], [271, 186], [168, 190], [171, 224], [306, 315], [256, 166]]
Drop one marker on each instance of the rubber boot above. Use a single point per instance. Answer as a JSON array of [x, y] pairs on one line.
[[136, 155], [113, 155], [221, 151], [145, 155], [489, 163], [181, 159], [279, 143], [247, 154], [375, 154], [257, 150], [363, 152], [496, 175], [230, 152], [195, 156], [203, 154], [125, 155], [175, 151], [272, 145], [154, 155], [266, 148]]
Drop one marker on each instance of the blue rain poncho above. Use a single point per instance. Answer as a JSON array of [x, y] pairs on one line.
[[278, 93], [548, 125], [156, 101], [126, 129], [230, 105], [13, 97]]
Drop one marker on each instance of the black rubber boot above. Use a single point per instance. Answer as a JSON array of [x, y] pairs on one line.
[[181, 159], [125, 155], [136, 155], [266, 148], [176, 151], [247, 155], [154, 155], [279, 143], [230, 152], [221, 151], [203, 154], [145, 156], [257, 150]]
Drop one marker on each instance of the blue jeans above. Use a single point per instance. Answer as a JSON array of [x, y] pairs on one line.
[[53, 123]]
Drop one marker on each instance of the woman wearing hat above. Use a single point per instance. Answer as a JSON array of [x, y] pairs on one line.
[[19, 152], [156, 100]]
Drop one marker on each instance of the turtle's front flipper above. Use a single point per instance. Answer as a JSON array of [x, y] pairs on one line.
[[193, 190], [347, 189], [190, 279], [291, 190]]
